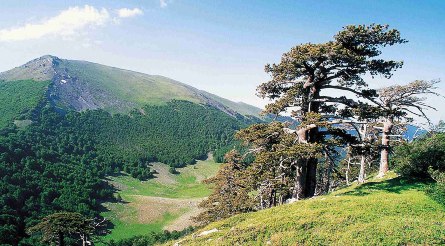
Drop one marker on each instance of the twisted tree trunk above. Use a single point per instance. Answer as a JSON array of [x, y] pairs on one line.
[[305, 174], [300, 182], [384, 152]]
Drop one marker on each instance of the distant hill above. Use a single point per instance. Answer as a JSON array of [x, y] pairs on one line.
[[82, 85]]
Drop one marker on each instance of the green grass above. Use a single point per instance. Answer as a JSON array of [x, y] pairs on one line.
[[393, 211], [185, 185], [131, 227], [17, 98]]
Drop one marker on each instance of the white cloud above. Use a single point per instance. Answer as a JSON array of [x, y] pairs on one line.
[[125, 12], [163, 3], [68, 23]]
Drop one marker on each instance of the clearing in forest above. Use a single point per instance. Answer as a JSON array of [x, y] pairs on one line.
[[166, 202]]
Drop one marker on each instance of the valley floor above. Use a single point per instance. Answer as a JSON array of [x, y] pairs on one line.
[[392, 211], [167, 202]]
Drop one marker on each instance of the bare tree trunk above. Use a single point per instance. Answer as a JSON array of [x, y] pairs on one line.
[[300, 182], [273, 198], [347, 171], [311, 177], [384, 152], [361, 176], [363, 135]]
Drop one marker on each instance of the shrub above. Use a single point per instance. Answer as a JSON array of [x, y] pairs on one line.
[[419, 158], [437, 190]]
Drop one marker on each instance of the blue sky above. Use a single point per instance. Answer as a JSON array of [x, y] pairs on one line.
[[220, 46]]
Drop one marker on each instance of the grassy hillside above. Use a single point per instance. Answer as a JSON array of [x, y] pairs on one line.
[[380, 212], [138, 89], [127, 85], [17, 98], [165, 202]]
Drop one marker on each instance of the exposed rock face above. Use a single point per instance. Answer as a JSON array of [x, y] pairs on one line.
[[70, 91], [40, 69]]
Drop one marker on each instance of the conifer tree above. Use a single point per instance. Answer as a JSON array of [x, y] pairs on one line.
[[309, 76]]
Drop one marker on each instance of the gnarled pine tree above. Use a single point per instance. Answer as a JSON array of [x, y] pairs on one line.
[[300, 81]]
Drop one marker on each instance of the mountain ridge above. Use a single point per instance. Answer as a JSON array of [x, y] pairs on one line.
[[81, 85]]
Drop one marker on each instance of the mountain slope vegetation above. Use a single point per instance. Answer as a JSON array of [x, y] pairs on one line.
[[393, 211], [18, 98]]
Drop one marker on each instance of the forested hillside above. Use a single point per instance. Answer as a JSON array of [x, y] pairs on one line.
[[18, 98], [58, 163]]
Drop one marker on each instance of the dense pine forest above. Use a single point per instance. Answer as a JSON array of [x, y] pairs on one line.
[[59, 162]]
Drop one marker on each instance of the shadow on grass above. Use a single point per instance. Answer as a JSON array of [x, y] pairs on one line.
[[395, 185]]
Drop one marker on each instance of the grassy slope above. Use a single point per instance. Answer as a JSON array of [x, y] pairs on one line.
[[388, 212], [130, 86], [152, 205], [18, 97]]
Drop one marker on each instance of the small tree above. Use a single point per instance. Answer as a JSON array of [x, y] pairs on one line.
[[231, 193], [58, 226]]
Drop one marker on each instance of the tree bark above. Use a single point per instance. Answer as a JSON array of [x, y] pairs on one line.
[[311, 173], [311, 177], [300, 182], [306, 174], [384, 152], [361, 176], [363, 134]]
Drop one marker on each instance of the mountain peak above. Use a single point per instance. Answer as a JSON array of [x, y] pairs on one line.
[[39, 69], [43, 61]]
